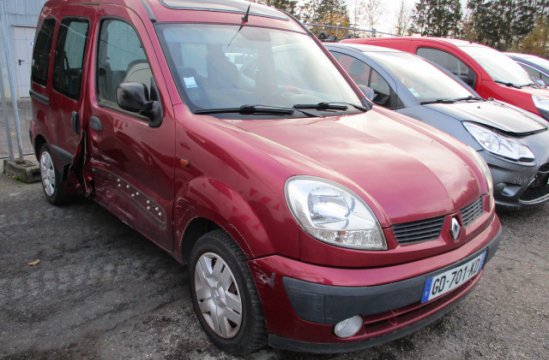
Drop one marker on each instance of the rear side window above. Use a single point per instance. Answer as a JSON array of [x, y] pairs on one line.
[[450, 62], [121, 58], [69, 57], [41, 53]]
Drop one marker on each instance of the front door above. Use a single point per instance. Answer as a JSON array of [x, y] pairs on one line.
[[24, 42], [67, 93], [132, 162]]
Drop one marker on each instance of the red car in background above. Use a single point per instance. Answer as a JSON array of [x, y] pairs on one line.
[[486, 70]]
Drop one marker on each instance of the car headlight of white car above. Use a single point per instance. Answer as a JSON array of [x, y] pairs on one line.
[[542, 103], [333, 214], [499, 144]]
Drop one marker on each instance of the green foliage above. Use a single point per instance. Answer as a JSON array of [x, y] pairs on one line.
[[537, 41], [503, 24], [437, 18], [326, 12]]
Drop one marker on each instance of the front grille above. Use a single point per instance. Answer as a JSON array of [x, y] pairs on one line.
[[471, 212], [418, 230]]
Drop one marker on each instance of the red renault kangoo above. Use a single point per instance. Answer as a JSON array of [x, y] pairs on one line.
[[225, 133]]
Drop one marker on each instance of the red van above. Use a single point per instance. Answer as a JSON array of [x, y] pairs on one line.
[[225, 133], [488, 71]]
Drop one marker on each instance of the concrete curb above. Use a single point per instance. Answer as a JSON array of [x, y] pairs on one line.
[[23, 170]]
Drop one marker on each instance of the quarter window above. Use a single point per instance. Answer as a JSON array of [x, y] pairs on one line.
[[451, 63], [69, 57], [41, 53], [121, 58]]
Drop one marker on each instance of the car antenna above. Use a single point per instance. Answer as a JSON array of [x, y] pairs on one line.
[[247, 14]]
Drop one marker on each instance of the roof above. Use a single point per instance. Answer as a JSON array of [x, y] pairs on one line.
[[366, 48], [232, 6]]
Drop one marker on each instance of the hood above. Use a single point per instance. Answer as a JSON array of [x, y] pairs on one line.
[[494, 114], [543, 92], [403, 169]]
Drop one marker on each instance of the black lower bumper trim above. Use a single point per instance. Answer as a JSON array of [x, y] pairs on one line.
[[336, 348], [328, 304]]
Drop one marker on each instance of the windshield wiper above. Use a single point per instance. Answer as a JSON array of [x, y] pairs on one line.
[[509, 84], [467, 98], [438, 101], [248, 110], [342, 106]]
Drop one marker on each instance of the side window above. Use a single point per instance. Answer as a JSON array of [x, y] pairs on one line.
[[451, 63], [120, 58], [359, 71], [69, 57], [381, 88], [41, 53]]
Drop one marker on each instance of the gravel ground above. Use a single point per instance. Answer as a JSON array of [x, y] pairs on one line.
[[101, 291]]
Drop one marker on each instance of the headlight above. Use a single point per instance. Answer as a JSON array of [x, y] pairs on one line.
[[499, 144], [487, 174], [333, 214], [541, 103]]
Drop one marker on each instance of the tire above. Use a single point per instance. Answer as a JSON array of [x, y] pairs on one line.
[[52, 185], [220, 281]]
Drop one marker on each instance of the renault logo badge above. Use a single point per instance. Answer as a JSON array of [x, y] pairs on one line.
[[455, 229]]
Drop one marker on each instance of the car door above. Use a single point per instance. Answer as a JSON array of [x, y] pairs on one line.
[[132, 162], [66, 96]]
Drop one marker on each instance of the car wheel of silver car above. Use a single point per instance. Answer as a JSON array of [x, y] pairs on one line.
[[52, 184], [224, 295]]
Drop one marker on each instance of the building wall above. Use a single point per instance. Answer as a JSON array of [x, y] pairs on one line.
[[15, 14]]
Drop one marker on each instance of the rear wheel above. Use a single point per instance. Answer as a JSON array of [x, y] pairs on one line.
[[224, 295], [52, 184]]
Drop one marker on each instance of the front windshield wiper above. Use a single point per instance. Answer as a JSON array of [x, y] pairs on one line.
[[249, 110], [438, 101], [509, 84], [342, 106], [467, 98]]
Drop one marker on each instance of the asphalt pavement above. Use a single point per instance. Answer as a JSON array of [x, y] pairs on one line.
[[76, 283]]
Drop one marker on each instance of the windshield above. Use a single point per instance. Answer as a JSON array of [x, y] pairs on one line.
[[541, 62], [226, 66], [424, 81], [500, 67]]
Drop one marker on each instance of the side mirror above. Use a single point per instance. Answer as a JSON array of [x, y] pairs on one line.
[[541, 83], [134, 97], [368, 92]]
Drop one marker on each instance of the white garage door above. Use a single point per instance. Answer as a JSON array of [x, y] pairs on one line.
[[23, 42]]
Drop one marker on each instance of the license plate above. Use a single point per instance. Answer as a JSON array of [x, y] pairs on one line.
[[449, 280]]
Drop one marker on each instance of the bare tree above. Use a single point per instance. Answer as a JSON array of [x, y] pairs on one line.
[[369, 12], [403, 18]]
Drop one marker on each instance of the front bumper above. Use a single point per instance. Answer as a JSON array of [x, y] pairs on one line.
[[518, 186], [302, 302]]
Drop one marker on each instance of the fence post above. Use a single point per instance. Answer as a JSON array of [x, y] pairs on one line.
[[7, 50], [5, 113]]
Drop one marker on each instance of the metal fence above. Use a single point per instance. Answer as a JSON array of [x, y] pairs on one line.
[[327, 32], [17, 26]]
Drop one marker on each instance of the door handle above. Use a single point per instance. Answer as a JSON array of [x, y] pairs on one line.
[[96, 124], [75, 123], [20, 61]]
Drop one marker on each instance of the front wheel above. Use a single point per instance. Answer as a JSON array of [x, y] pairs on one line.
[[52, 184], [224, 295]]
